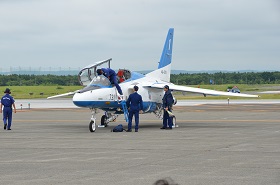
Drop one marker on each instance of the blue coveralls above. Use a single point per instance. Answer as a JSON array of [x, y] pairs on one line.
[[111, 74], [7, 101], [135, 103], [167, 101]]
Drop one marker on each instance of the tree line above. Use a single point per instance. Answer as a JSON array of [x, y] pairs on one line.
[[180, 79], [33, 80], [226, 78]]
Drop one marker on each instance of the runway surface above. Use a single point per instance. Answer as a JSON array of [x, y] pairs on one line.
[[214, 144], [67, 102]]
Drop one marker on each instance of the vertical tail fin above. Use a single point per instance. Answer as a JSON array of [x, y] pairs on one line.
[[166, 55], [164, 66]]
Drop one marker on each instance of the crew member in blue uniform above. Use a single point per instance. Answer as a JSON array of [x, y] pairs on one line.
[[135, 104], [111, 75], [7, 101], [167, 102]]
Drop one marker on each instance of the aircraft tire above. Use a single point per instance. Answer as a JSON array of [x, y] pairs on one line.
[[92, 126], [104, 120]]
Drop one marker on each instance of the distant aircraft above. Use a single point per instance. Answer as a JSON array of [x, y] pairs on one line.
[[99, 93]]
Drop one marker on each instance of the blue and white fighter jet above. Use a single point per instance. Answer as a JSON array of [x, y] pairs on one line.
[[99, 93]]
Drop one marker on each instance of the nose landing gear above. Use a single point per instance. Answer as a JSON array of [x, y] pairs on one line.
[[92, 126], [105, 119], [92, 123]]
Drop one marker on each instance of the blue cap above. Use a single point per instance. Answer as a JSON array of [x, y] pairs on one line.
[[135, 88], [99, 71], [7, 91]]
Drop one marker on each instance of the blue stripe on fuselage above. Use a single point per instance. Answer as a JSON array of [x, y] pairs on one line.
[[112, 105]]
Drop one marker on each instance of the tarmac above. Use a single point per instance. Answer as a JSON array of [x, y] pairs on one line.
[[214, 144]]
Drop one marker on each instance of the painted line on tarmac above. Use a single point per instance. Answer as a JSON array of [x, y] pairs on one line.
[[155, 121], [224, 120], [49, 120]]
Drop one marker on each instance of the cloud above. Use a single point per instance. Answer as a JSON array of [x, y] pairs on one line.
[[214, 34]]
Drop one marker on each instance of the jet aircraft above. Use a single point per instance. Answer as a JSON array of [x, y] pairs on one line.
[[99, 93]]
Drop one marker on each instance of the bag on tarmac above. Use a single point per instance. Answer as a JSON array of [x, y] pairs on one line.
[[118, 128]]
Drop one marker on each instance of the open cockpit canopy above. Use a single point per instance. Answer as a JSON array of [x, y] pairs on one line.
[[89, 77], [87, 74]]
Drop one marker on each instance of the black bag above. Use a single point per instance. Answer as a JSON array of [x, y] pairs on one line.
[[118, 128]]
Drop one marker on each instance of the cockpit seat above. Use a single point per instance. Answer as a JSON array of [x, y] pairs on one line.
[[121, 76]]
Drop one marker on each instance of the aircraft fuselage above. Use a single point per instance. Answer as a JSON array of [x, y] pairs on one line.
[[107, 98]]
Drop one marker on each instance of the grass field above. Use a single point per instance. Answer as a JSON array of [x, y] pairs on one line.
[[30, 92]]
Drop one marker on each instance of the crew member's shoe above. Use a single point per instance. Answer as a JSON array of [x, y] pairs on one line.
[[9, 129], [136, 130], [5, 126], [169, 128], [163, 128], [128, 130]]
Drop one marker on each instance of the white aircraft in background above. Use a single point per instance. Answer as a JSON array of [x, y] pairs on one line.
[[99, 93]]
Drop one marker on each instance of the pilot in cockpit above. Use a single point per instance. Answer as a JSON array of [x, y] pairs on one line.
[[111, 75]]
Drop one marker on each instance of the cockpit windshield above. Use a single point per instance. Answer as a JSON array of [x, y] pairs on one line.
[[100, 81]]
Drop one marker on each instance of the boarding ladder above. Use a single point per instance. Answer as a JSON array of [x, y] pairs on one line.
[[125, 111]]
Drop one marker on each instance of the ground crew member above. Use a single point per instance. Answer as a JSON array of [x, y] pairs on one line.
[[134, 103], [7, 101], [111, 75], [167, 102]]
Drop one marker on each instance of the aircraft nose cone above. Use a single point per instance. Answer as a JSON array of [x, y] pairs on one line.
[[78, 99], [75, 97]]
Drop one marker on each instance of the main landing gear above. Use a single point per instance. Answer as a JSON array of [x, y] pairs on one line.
[[104, 121], [159, 114]]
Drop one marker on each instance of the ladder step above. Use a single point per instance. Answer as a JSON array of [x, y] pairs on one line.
[[125, 111]]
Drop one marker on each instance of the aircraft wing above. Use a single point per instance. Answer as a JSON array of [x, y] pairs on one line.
[[61, 95], [202, 91]]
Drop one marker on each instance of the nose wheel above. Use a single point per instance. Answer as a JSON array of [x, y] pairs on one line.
[[92, 123], [92, 126]]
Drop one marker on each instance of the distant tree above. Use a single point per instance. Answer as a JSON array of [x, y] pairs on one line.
[[33, 80], [180, 79]]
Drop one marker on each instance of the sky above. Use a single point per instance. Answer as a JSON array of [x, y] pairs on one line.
[[228, 35]]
